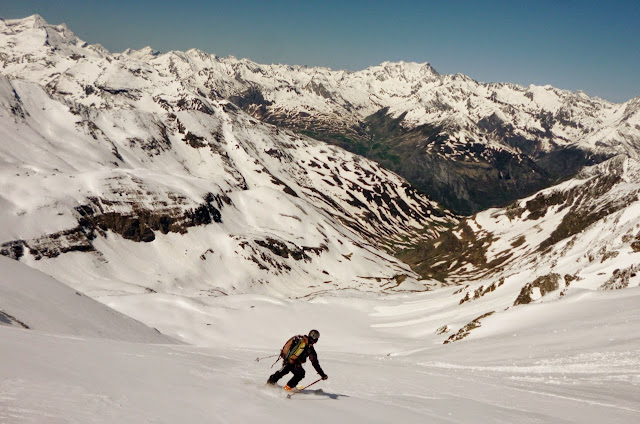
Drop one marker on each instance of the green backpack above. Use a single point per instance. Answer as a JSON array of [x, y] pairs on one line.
[[293, 348]]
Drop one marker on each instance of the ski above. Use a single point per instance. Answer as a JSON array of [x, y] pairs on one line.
[[302, 390]]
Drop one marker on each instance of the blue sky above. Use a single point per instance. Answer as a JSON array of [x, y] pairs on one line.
[[592, 46]]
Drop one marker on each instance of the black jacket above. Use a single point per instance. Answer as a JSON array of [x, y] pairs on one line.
[[310, 352]]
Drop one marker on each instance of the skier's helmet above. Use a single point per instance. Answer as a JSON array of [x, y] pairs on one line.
[[314, 335]]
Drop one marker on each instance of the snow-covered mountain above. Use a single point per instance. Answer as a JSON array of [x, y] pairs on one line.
[[575, 360], [140, 180], [468, 145], [580, 235], [117, 165], [102, 155]]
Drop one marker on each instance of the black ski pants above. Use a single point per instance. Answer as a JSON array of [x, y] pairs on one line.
[[296, 369]]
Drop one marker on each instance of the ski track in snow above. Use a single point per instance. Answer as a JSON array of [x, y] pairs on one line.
[[64, 370], [63, 378], [361, 388], [499, 380]]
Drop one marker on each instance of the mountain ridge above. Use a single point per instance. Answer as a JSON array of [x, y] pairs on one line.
[[100, 153], [171, 115], [147, 183], [449, 135]]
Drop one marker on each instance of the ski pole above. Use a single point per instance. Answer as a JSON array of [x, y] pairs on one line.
[[276, 361], [291, 394], [266, 357]]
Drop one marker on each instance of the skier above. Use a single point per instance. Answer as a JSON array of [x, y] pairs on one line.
[[294, 353]]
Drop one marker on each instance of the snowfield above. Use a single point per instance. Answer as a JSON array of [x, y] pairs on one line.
[[155, 239], [576, 360]]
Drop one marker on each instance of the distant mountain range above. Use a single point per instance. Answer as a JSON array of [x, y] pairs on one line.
[[468, 145], [112, 167], [187, 173]]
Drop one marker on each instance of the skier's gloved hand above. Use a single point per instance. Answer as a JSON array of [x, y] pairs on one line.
[[324, 377]]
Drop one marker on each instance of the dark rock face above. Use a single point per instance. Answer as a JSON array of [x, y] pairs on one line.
[[251, 100], [53, 245], [466, 187], [620, 278], [281, 249], [50, 245], [466, 330], [13, 249], [7, 319], [545, 284], [138, 226], [578, 217], [270, 253], [195, 141], [480, 291], [561, 164]]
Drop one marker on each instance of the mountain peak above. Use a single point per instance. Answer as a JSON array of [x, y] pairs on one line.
[[36, 20], [144, 53], [422, 68]]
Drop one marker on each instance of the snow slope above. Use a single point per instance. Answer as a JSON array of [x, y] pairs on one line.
[[33, 300], [550, 363]]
